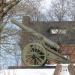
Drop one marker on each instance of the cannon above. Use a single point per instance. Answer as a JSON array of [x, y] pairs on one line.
[[37, 53]]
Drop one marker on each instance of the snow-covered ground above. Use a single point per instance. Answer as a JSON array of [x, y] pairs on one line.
[[27, 72], [47, 71]]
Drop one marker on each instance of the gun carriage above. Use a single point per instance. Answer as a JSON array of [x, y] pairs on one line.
[[37, 53]]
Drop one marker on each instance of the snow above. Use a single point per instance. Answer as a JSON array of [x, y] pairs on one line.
[[45, 71], [28, 72]]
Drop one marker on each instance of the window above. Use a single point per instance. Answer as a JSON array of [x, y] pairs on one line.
[[58, 31]]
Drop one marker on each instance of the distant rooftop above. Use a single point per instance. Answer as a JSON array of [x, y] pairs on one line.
[[57, 31]]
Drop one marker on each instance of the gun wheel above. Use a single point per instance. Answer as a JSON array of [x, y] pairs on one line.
[[34, 54]]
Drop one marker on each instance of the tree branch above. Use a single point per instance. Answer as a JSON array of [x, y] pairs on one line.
[[8, 7]]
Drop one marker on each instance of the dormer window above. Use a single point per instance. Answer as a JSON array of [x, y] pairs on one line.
[[54, 31], [58, 31]]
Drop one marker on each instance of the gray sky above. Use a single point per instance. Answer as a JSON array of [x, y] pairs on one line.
[[45, 5]]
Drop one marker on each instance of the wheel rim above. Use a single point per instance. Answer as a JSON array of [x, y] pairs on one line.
[[34, 55]]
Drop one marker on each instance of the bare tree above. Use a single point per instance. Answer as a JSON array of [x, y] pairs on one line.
[[9, 48], [28, 7], [9, 45], [71, 9], [7, 7], [58, 10]]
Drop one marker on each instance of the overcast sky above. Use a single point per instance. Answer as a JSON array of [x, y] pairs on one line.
[[45, 5]]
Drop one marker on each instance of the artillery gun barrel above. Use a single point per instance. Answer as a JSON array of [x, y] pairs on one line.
[[38, 35]]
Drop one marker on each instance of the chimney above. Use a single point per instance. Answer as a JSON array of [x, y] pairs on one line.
[[2, 1], [26, 20]]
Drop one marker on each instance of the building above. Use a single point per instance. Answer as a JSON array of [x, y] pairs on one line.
[[60, 32]]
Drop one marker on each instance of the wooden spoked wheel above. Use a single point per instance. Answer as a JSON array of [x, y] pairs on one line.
[[34, 54]]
